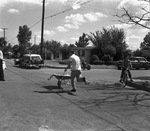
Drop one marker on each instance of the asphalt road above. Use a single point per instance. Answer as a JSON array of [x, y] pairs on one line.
[[29, 102]]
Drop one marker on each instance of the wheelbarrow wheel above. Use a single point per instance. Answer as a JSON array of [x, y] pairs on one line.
[[59, 84]]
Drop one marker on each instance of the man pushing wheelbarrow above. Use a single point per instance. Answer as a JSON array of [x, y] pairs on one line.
[[75, 65]]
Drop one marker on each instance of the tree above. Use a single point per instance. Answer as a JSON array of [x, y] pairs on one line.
[[24, 36], [110, 50], [72, 45], [142, 53], [8, 48], [2, 42], [15, 50], [65, 51], [111, 39], [118, 41], [83, 41], [35, 49], [146, 41], [137, 18], [100, 39], [53, 46]]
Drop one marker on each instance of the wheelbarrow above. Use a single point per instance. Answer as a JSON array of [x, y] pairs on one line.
[[60, 78]]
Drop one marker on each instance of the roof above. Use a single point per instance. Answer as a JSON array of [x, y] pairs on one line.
[[84, 48], [136, 57]]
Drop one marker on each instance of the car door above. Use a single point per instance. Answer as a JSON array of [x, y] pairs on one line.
[[134, 62], [142, 62]]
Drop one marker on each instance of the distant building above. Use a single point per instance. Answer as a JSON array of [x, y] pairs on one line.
[[85, 52]]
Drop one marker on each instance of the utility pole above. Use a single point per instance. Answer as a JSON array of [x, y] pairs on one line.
[[42, 28], [34, 39], [4, 29], [34, 43]]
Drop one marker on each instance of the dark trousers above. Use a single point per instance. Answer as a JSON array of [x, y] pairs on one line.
[[129, 73], [1, 70]]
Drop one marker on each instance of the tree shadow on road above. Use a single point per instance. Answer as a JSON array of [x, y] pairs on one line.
[[115, 99], [103, 86], [55, 89], [111, 95], [142, 77]]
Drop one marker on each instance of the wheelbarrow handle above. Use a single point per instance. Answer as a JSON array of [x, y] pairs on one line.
[[63, 75]]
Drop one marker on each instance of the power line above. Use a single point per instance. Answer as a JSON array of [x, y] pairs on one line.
[[69, 9], [35, 23], [56, 14]]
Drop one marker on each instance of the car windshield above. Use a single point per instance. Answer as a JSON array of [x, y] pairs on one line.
[[35, 58], [141, 59]]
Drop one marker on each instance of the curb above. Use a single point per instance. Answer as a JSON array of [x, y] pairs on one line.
[[92, 67], [54, 66]]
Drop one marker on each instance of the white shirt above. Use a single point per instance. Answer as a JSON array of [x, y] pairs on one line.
[[75, 62], [1, 55]]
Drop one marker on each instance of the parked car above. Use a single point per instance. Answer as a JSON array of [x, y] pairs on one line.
[[137, 63], [31, 61]]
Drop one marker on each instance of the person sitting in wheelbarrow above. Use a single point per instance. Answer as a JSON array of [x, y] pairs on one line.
[[126, 65], [75, 65]]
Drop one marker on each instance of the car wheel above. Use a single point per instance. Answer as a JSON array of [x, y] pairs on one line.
[[146, 68], [119, 68], [38, 67], [25, 66]]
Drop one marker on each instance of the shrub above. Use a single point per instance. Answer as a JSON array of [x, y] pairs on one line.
[[94, 58], [106, 58], [98, 62], [110, 63]]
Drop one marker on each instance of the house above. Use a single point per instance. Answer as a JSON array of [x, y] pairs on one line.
[[85, 52]]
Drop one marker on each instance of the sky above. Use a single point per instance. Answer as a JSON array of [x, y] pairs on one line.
[[66, 20]]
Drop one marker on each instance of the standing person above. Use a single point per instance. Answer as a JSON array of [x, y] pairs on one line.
[[126, 65], [75, 65], [1, 66], [83, 63]]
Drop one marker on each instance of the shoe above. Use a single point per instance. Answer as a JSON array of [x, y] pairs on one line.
[[120, 81], [84, 80], [73, 90]]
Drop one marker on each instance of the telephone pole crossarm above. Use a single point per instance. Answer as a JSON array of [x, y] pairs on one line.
[[4, 29]]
